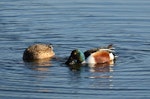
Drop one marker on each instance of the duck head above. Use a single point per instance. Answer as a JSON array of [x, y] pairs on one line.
[[76, 57]]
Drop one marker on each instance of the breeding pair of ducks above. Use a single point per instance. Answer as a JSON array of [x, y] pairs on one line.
[[93, 56]]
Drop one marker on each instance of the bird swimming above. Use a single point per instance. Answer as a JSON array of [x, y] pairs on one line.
[[94, 56], [38, 52]]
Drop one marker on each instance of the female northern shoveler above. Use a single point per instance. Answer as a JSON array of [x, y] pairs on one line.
[[93, 56], [38, 51]]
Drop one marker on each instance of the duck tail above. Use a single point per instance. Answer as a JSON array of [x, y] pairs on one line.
[[110, 46]]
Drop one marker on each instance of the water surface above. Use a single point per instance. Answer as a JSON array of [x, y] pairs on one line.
[[70, 24]]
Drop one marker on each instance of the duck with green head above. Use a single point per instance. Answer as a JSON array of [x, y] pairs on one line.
[[93, 56], [76, 57]]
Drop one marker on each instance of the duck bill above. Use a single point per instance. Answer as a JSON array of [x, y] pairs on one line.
[[70, 61]]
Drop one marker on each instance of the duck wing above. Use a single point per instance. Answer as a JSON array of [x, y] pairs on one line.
[[108, 48], [89, 52]]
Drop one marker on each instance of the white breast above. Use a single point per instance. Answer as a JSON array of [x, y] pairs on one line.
[[112, 57], [90, 60]]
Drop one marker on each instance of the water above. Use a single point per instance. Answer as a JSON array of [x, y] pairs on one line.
[[70, 24]]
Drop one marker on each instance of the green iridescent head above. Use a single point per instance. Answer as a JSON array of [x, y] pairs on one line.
[[76, 57]]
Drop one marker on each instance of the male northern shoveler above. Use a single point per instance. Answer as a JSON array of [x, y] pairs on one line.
[[38, 51], [93, 56]]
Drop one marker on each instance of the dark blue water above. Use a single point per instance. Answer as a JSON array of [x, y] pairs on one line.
[[70, 24]]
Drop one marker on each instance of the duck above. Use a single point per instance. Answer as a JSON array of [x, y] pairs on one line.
[[102, 55], [38, 52]]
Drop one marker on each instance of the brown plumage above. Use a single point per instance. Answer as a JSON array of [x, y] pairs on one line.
[[38, 51], [101, 56]]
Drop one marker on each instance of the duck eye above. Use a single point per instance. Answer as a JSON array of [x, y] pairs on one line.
[[75, 53]]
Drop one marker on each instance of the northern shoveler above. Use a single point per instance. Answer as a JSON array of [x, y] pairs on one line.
[[92, 56], [38, 51]]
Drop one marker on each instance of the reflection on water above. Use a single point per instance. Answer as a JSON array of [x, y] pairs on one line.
[[38, 68], [102, 82], [101, 68], [105, 67], [39, 65]]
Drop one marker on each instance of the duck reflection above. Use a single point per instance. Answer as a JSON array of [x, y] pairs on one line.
[[98, 76], [75, 67], [38, 65], [107, 67], [101, 76]]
